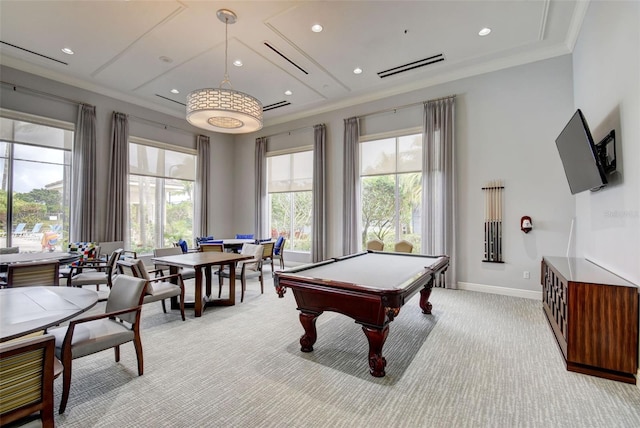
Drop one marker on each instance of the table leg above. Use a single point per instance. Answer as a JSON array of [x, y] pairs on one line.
[[424, 300], [174, 300], [308, 321], [376, 338], [232, 283], [198, 303], [207, 274]]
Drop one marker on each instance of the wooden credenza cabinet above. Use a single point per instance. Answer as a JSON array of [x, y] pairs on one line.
[[594, 317]]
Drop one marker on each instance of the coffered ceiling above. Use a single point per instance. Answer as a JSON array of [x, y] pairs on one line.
[[139, 51]]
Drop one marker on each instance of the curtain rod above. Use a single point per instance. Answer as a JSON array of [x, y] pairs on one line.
[[71, 101], [159, 124], [393, 109], [41, 93], [289, 132]]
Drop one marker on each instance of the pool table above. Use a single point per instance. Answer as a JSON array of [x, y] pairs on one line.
[[369, 287]]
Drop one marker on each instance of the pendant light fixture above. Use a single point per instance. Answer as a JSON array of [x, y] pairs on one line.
[[224, 109]]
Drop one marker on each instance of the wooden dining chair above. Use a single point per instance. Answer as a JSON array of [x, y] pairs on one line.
[[375, 245], [187, 273], [278, 250], [267, 254], [216, 248], [159, 288], [403, 247], [119, 324], [27, 373], [245, 269], [33, 273], [94, 272]]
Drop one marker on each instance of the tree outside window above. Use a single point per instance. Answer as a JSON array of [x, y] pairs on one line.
[[161, 185], [391, 190], [289, 185], [35, 162]]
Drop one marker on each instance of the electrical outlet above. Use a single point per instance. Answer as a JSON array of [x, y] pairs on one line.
[[526, 274]]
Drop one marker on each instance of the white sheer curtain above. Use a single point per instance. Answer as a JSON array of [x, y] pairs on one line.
[[201, 224], [439, 184], [319, 238], [117, 187], [261, 188], [83, 177], [351, 181]]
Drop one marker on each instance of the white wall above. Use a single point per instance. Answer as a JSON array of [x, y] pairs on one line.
[[178, 132], [606, 79], [506, 124]]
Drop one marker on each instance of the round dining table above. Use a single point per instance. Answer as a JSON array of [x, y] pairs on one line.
[[62, 257], [25, 310]]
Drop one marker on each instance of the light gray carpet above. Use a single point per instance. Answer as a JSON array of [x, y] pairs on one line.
[[480, 360]]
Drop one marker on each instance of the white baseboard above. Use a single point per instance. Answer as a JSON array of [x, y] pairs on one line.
[[492, 289]]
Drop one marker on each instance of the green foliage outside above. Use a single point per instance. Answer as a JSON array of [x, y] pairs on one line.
[[379, 209], [31, 208], [291, 215]]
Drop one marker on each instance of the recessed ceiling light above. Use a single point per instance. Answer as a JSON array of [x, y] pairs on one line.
[[237, 63], [316, 28], [175, 91], [357, 70], [288, 92], [484, 32], [67, 51]]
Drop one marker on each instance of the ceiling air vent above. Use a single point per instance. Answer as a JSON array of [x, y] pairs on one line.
[[412, 65], [169, 99], [283, 56], [34, 53], [276, 105]]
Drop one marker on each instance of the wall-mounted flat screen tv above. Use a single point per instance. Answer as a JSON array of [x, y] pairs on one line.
[[579, 156]]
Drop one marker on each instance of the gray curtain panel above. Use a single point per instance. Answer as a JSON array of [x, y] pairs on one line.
[[117, 191], [261, 188], [351, 181], [319, 237], [83, 177], [201, 224], [439, 184]]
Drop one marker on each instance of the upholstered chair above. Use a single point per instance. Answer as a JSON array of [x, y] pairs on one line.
[[213, 247], [375, 245], [33, 273], [27, 373], [267, 254], [278, 250], [245, 269], [158, 288], [403, 247], [187, 273], [94, 272], [118, 325]]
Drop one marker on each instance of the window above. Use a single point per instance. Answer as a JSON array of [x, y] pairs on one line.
[[161, 184], [391, 189], [289, 185], [35, 159]]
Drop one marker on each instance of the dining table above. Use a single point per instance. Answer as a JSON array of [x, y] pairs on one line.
[[230, 244], [25, 310], [61, 256], [201, 263]]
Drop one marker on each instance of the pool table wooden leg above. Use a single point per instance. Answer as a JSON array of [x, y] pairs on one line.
[[425, 293], [308, 321], [376, 338]]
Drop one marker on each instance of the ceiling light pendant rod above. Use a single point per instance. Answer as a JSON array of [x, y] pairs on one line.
[[226, 56]]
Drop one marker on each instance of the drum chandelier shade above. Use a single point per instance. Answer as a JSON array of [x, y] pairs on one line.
[[224, 110]]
